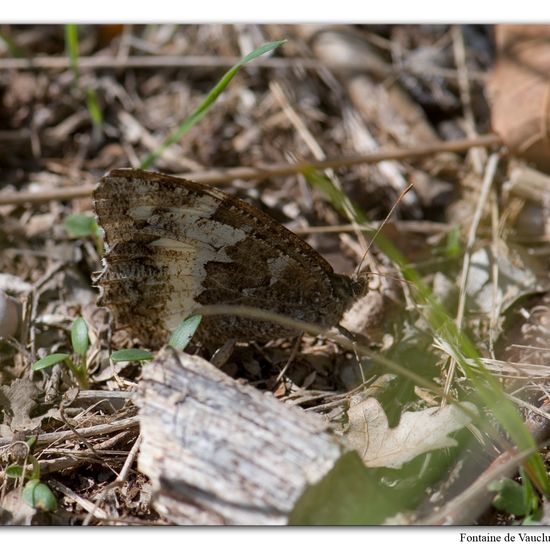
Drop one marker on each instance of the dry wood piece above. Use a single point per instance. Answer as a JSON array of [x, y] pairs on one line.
[[219, 452]]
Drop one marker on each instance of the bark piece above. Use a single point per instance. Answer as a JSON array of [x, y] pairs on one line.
[[220, 452]]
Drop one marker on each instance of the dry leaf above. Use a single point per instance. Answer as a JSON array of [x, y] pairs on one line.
[[516, 278], [417, 432], [520, 91]]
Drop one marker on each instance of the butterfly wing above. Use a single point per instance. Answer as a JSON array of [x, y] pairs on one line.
[[174, 245]]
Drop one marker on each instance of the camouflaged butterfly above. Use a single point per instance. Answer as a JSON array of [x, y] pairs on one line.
[[174, 245]]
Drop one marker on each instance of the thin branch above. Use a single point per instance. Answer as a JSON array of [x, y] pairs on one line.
[[206, 61], [225, 176]]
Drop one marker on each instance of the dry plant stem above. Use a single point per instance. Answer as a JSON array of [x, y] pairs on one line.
[[226, 176], [82, 439], [459, 51], [495, 311], [101, 429], [35, 297], [202, 61], [412, 226], [121, 478], [82, 502], [490, 171], [315, 148], [291, 358]]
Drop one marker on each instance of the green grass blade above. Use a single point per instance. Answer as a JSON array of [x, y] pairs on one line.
[[92, 104], [94, 109], [50, 361], [184, 332], [202, 109], [131, 355], [71, 45]]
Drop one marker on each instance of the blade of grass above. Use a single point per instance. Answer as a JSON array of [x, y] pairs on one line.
[[93, 108], [456, 343], [202, 109], [71, 44], [92, 104]]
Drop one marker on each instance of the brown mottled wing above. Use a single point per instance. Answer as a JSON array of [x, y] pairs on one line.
[[174, 245]]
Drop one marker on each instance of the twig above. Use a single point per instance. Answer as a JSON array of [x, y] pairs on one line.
[[412, 226], [203, 61], [101, 429], [120, 478], [226, 176], [82, 502], [459, 50]]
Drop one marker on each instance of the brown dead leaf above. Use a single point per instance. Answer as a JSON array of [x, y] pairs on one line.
[[417, 432], [17, 401], [520, 91]]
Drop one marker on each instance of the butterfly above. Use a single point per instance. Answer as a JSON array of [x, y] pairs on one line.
[[173, 245]]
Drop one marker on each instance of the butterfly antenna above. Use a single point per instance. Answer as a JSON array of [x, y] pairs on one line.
[[384, 221]]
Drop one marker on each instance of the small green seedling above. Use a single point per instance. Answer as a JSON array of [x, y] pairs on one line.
[[80, 342], [518, 499], [453, 248], [92, 103], [131, 355], [39, 495], [179, 340], [184, 332], [83, 225], [35, 493]]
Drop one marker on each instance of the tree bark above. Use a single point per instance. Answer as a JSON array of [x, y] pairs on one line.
[[222, 452]]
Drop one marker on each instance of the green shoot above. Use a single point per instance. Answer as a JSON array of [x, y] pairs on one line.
[[35, 493], [515, 498], [82, 225], [92, 104], [79, 337], [131, 355], [184, 332], [71, 44], [80, 343], [203, 108], [452, 246], [179, 340], [14, 471], [39, 495], [50, 361]]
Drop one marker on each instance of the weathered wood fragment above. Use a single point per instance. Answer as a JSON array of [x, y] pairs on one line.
[[222, 452]]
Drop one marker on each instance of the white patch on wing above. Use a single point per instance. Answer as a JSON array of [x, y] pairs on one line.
[[184, 263]]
